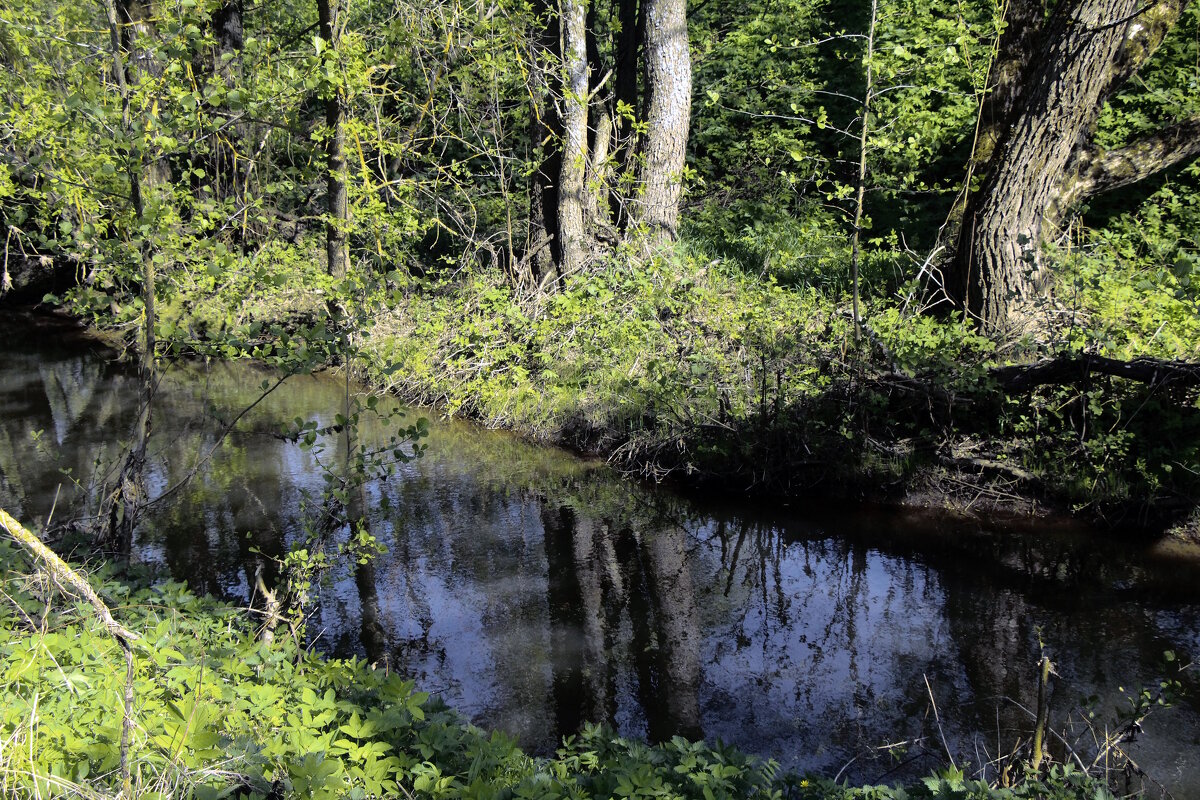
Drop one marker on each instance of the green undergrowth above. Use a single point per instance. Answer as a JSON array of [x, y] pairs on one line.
[[617, 351], [219, 713], [691, 366]]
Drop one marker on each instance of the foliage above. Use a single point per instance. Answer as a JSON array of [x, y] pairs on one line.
[[780, 90], [614, 351], [730, 355], [1134, 287], [1165, 90], [222, 714]]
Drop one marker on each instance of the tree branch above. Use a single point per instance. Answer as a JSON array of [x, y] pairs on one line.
[[1145, 34], [1096, 171], [60, 571]]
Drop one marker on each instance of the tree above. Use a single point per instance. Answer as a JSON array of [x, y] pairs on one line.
[[573, 163], [330, 21], [603, 155], [669, 86], [1039, 149], [122, 503]]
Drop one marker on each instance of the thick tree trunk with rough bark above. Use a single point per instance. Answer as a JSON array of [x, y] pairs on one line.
[[329, 20], [669, 84], [1037, 142]]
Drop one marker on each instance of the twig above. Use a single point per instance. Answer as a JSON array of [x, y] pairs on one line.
[[212, 450], [938, 720]]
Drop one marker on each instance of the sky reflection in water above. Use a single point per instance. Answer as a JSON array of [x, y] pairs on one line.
[[533, 591]]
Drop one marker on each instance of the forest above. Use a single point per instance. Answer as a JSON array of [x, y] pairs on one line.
[[942, 253], [771, 248]]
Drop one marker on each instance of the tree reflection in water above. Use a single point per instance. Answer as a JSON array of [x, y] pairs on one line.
[[612, 591], [534, 591]]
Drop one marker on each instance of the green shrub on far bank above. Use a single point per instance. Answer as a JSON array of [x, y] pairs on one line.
[[220, 714], [696, 367]]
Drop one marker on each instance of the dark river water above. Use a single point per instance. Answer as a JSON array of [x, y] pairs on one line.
[[534, 591]]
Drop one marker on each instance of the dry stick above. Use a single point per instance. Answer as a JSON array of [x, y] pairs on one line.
[[62, 572], [938, 720], [1043, 713], [220, 439]]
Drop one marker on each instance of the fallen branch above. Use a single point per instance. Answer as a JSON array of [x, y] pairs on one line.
[[1070, 368], [61, 572], [988, 465]]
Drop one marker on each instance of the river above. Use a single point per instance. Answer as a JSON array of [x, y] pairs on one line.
[[534, 591]]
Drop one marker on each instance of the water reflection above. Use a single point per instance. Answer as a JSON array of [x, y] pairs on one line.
[[618, 597], [534, 592]]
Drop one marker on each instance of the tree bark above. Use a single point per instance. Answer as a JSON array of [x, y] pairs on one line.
[[1050, 93], [545, 129], [571, 183], [1019, 42], [329, 21], [1097, 171], [669, 84]]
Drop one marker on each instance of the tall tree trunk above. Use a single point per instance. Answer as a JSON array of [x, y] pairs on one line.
[[1084, 52], [571, 181], [123, 501], [545, 129], [600, 132], [669, 85], [329, 21]]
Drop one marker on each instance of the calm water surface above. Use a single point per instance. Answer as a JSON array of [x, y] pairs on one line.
[[534, 591]]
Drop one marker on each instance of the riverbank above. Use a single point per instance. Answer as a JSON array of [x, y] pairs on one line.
[[219, 712], [694, 372], [532, 511]]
